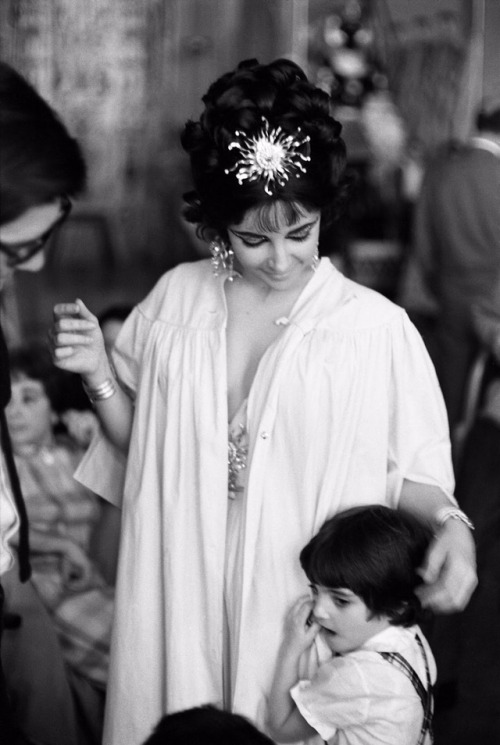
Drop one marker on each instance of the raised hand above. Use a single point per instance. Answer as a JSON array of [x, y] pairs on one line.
[[76, 342], [300, 628]]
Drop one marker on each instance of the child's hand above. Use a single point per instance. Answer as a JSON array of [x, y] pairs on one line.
[[81, 425], [300, 627], [77, 343], [76, 567]]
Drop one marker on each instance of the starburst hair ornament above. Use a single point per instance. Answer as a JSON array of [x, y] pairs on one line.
[[271, 155]]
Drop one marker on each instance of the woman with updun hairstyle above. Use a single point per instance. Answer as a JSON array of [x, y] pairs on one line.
[[252, 396]]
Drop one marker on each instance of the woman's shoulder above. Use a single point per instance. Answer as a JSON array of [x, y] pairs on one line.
[[181, 278], [365, 308], [179, 291]]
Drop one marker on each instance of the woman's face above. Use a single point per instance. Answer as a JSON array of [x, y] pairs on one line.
[[29, 414], [277, 259]]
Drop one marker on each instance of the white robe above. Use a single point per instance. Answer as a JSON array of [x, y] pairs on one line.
[[345, 404]]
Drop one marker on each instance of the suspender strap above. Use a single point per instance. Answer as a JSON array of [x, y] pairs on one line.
[[425, 695]]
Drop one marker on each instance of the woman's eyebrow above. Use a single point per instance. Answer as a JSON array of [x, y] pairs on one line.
[[247, 233], [309, 224], [295, 229]]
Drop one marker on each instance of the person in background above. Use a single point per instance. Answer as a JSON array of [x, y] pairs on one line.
[[375, 684], [467, 646], [256, 395], [456, 245], [41, 170], [63, 519], [206, 725]]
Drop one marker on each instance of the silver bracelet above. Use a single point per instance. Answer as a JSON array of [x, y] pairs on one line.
[[453, 513], [101, 392]]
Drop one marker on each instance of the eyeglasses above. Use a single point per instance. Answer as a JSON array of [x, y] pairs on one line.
[[19, 253]]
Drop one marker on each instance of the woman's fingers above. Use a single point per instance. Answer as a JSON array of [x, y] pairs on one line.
[[84, 311], [66, 323], [449, 570], [75, 338], [76, 308], [62, 339]]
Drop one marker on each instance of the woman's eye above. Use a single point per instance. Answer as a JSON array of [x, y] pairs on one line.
[[300, 236], [253, 241]]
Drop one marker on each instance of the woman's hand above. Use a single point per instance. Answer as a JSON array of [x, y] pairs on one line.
[[77, 343], [449, 571], [300, 628]]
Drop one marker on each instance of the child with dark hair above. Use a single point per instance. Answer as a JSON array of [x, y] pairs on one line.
[[376, 683], [206, 725], [63, 515]]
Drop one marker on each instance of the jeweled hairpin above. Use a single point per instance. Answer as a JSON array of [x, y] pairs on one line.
[[271, 155]]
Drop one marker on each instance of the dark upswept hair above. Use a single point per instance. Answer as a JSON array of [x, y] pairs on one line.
[[375, 552], [39, 160], [280, 92], [206, 725]]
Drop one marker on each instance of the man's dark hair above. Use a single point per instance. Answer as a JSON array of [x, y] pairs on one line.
[[206, 725], [39, 160]]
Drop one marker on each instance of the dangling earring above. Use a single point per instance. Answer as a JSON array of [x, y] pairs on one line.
[[315, 261], [222, 259]]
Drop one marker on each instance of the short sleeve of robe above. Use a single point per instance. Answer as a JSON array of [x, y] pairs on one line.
[[106, 474], [419, 445]]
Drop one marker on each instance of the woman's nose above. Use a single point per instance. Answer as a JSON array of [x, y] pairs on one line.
[[279, 257]]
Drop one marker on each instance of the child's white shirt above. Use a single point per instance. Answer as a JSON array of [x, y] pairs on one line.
[[362, 699]]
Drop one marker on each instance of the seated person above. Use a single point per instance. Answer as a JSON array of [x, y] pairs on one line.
[[63, 515], [375, 684], [39, 684]]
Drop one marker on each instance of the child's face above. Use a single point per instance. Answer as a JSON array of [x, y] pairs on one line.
[[29, 414], [346, 622]]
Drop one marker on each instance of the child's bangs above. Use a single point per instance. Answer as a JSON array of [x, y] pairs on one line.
[[342, 570]]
